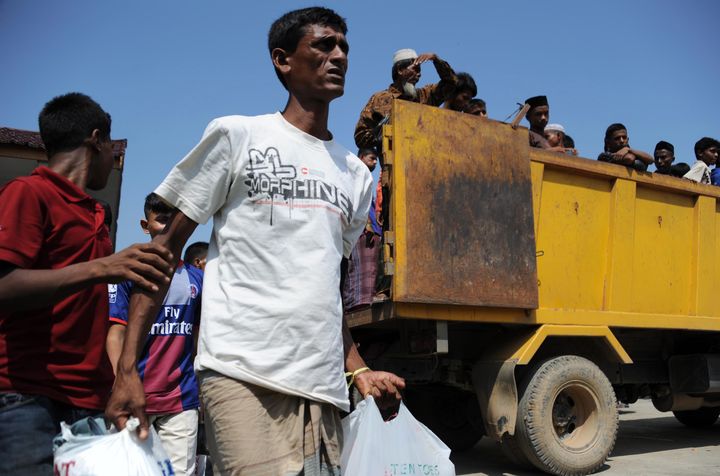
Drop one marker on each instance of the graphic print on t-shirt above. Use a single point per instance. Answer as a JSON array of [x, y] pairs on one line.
[[268, 177]]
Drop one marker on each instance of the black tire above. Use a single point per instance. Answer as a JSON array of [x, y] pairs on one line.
[[704, 417], [567, 416]]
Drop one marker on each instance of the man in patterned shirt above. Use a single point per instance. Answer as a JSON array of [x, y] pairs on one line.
[[405, 75]]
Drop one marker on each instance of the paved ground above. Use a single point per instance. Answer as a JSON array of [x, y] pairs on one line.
[[649, 443]]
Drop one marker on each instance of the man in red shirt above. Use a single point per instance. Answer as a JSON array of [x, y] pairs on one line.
[[55, 261]]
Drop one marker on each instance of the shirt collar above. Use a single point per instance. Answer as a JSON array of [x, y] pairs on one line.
[[68, 190], [394, 91]]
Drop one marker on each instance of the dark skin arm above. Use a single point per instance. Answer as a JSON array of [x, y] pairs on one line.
[[114, 344], [383, 386], [448, 79], [128, 395], [643, 156], [562, 150], [627, 156], [147, 265]]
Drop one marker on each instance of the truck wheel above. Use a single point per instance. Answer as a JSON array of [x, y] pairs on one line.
[[567, 416], [704, 417]]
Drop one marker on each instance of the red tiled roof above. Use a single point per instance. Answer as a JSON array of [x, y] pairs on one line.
[[19, 137], [31, 139]]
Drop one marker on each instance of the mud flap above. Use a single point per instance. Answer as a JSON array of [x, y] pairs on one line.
[[496, 390]]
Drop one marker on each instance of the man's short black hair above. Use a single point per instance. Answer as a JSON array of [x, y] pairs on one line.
[[199, 249], [155, 204], [66, 121], [286, 31], [465, 82], [664, 145], [366, 150], [474, 102], [678, 170], [402, 64], [568, 142], [705, 143], [613, 128]]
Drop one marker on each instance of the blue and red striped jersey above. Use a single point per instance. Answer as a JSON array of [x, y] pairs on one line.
[[166, 365]]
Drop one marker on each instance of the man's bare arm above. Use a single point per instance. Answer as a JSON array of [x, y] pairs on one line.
[[448, 78], [128, 398], [643, 156], [383, 386], [147, 265], [114, 344]]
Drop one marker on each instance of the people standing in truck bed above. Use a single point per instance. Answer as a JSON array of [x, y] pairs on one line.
[[706, 153], [405, 76], [618, 150], [555, 135], [538, 116], [664, 155], [476, 107], [464, 91]]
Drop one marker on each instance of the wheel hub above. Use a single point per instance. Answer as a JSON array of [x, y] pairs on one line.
[[575, 416]]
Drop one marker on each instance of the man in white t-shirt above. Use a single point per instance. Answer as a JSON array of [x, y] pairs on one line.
[[287, 203]]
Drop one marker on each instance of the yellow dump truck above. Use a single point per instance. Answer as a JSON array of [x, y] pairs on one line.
[[533, 291]]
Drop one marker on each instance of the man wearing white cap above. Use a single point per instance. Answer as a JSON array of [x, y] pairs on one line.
[[405, 75], [555, 135]]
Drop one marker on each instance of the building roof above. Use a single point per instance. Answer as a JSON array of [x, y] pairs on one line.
[[31, 139]]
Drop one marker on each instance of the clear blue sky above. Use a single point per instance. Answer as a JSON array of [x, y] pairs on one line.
[[164, 69]]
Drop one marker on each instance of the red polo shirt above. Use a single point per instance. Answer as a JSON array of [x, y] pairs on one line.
[[47, 222]]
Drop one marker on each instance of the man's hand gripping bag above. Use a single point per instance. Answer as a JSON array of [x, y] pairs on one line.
[[114, 454]]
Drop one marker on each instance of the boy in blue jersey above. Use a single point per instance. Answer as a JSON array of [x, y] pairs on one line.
[[166, 366]]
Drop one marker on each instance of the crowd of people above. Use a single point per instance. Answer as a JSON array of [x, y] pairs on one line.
[[84, 331], [274, 356], [617, 150], [363, 280], [457, 91]]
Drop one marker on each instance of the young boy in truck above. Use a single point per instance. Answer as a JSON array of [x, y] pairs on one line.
[[706, 153], [166, 366]]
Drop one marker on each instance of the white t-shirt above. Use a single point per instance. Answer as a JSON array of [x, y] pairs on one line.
[[286, 207], [699, 172]]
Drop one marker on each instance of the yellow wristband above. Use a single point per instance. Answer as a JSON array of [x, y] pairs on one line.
[[354, 374]]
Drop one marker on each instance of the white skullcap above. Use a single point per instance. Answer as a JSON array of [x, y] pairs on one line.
[[404, 54], [555, 127]]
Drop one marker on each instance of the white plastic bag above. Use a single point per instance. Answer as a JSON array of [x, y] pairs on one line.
[[115, 454], [401, 446]]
